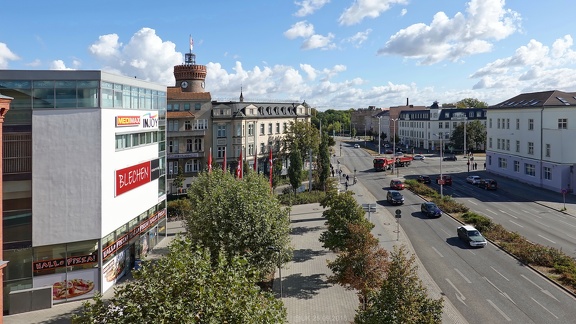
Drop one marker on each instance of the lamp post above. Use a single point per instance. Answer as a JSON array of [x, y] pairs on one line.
[[340, 149], [379, 135], [277, 250], [394, 143], [441, 182]]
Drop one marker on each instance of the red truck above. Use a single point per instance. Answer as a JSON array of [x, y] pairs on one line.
[[381, 164], [402, 161]]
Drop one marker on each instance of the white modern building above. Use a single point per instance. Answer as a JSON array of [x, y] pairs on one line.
[[83, 178], [530, 139]]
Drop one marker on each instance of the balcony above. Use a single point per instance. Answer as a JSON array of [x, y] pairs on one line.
[[185, 155], [188, 133]]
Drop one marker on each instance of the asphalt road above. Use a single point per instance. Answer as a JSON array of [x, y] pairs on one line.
[[486, 285]]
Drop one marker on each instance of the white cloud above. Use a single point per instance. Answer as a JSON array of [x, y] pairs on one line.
[[310, 71], [35, 63], [300, 29], [366, 8], [6, 55], [453, 39], [319, 41], [403, 12], [145, 56], [308, 7], [358, 38], [58, 65]]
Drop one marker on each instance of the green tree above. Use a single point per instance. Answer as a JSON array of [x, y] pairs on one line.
[[295, 169], [471, 103], [324, 161], [383, 136], [402, 297], [353, 132], [179, 208], [342, 211], [302, 136], [276, 172], [186, 286], [178, 182], [239, 218], [475, 136], [362, 264]]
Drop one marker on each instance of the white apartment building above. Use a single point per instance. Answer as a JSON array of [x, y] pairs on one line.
[[530, 139]]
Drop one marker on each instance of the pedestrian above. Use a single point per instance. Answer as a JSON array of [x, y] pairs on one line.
[[484, 165], [475, 166], [332, 173], [347, 178], [346, 184]]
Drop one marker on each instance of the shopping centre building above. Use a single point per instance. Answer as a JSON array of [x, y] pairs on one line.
[[84, 186]]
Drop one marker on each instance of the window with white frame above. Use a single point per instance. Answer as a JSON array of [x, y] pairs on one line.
[[498, 123], [507, 123], [250, 129], [529, 169], [507, 145], [516, 166], [250, 149], [440, 125], [193, 166], [548, 150], [447, 125], [187, 125], [498, 145], [277, 128], [220, 151], [262, 148], [189, 145], [563, 123], [221, 131], [547, 173], [238, 130], [269, 128], [518, 146], [198, 145], [502, 163], [200, 124], [173, 146], [530, 148], [530, 124], [517, 123], [172, 168], [262, 127]]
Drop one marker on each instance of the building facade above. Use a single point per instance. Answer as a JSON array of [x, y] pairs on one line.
[[83, 179], [530, 139], [425, 129]]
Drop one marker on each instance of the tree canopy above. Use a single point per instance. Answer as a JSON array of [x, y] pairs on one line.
[[402, 297], [187, 286], [301, 136], [239, 218], [471, 103], [475, 136]]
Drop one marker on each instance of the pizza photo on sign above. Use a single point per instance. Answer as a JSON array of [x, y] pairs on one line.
[[71, 288]]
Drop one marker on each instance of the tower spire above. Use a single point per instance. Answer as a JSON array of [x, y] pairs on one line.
[[241, 95]]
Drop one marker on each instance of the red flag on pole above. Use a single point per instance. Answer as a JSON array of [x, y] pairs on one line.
[[210, 161], [271, 165], [224, 163], [239, 168], [255, 160]]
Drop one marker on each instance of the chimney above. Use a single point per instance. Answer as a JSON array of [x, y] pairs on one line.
[[407, 103]]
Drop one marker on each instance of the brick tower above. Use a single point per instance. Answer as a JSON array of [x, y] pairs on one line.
[[190, 76]]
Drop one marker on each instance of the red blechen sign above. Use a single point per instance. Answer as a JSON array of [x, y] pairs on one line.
[[132, 177]]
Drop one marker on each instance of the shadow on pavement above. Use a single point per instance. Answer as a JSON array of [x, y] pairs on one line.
[[303, 255], [301, 230], [303, 287]]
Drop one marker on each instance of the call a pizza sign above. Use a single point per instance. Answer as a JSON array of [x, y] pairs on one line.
[[137, 175]]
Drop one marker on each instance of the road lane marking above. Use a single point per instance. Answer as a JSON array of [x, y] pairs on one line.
[[541, 223], [470, 201], [462, 275], [567, 223], [542, 290], [445, 231], [570, 236], [500, 274], [440, 254], [500, 291], [513, 222], [544, 308], [504, 212], [547, 239], [529, 213], [459, 295], [491, 211], [499, 310]]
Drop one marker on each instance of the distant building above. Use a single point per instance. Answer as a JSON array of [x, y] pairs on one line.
[[530, 139], [83, 179]]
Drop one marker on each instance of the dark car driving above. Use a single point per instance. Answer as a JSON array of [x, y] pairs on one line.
[[488, 184], [394, 197], [450, 158], [430, 209], [424, 179]]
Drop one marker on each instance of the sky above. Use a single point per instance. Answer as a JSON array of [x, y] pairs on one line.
[[333, 54]]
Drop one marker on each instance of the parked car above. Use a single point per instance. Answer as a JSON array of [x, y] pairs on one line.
[[398, 153], [396, 184], [394, 197], [388, 151], [447, 180], [356, 145], [471, 235], [430, 209], [473, 179], [488, 184], [419, 157], [424, 179], [450, 158]]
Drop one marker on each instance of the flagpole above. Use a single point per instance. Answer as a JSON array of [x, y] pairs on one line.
[[271, 167], [224, 164]]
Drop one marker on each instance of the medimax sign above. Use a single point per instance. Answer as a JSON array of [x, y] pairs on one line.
[[144, 121], [137, 175]]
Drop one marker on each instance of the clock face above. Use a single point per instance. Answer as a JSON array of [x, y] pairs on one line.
[[184, 84]]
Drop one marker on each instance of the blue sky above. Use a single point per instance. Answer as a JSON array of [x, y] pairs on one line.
[[335, 54]]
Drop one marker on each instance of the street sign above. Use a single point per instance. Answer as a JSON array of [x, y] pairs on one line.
[[369, 207], [398, 212], [564, 191]]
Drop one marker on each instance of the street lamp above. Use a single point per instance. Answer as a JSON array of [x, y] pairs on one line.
[[441, 182], [277, 250], [340, 149], [394, 143], [379, 135]]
